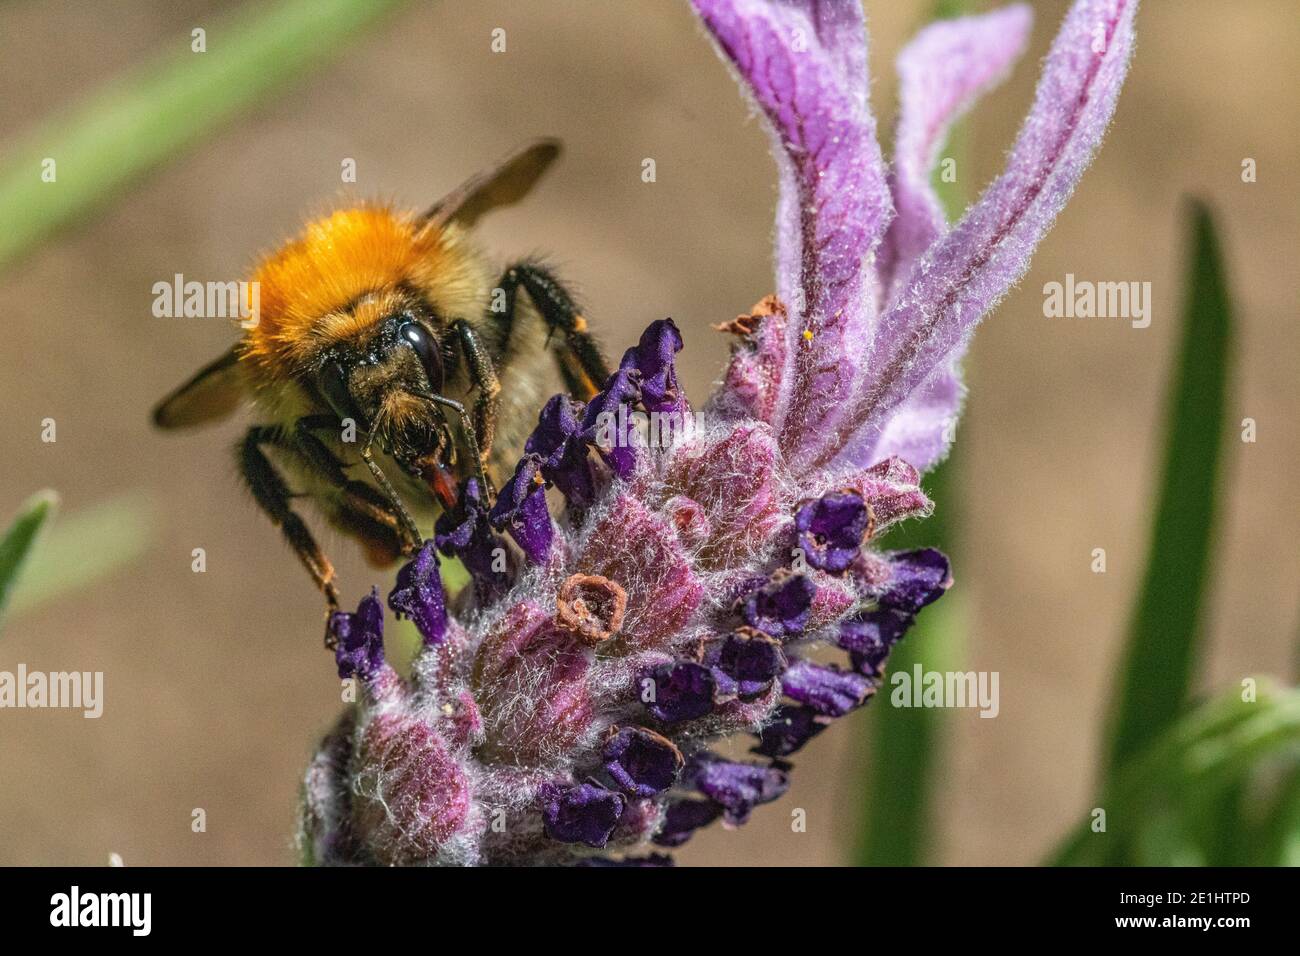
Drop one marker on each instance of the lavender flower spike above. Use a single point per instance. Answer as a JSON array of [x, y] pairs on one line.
[[566, 709]]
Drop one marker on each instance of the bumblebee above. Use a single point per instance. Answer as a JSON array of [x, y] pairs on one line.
[[387, 367]]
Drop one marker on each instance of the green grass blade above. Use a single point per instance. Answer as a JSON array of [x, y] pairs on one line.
[[1278, 842], [898, 827], [1163, 638], [148, 116], [906, 747], [16, 545]]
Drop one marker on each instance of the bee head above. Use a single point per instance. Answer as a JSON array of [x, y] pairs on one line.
[[383, 380]]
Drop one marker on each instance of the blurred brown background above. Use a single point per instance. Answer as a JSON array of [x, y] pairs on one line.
[[216, 686]]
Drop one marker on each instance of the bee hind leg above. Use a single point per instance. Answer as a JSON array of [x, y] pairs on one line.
[[582, 365]]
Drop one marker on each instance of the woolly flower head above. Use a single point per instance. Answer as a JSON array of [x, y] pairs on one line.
[[563, 708]]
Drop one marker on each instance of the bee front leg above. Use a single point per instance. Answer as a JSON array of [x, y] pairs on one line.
[[273, 496], [358, 498], [362, 504], [408, 529], [468, 427], [483, 374]]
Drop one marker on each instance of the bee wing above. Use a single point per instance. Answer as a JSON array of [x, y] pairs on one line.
[[214, 392], [502, 185]]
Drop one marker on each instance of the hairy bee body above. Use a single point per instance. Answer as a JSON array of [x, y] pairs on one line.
[[387, 364], [332, 288]]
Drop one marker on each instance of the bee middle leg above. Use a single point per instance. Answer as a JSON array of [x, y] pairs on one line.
[[582, 365], [360, 509]]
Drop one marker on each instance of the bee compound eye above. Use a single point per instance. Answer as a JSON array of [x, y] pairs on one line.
[[424, 345]]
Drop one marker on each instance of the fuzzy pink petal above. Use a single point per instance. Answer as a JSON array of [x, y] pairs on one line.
[[734, 484], [892, 488], [752, 381], [942, 72], [531, 680], [804, 63], [414, 796], [640, 550], [964, 274]]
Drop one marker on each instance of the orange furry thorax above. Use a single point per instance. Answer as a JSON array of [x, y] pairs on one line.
[[310, 287]]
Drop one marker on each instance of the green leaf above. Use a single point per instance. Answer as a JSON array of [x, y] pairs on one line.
[[1151, 803], [1165, 840], [1278, 840], [1163, 638], [148, 116], [1221, 822], [86, 546], [16, 545]]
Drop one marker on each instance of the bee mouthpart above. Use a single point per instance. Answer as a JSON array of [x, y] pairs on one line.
[[440, 481], [412, 429]]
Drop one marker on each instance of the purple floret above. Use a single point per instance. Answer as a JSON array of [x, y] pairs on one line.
[[829, 691], [580, 813], [870, 636], [919, 578], [683, 818], [747, 664], [419, 595], [831, 530], [521, 510], [466, 533], [791, 726], [604, 423], [683, 690], [737, 787], [558, 441], [653, 358], [642, 762], [780, 607], [359, 637]]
